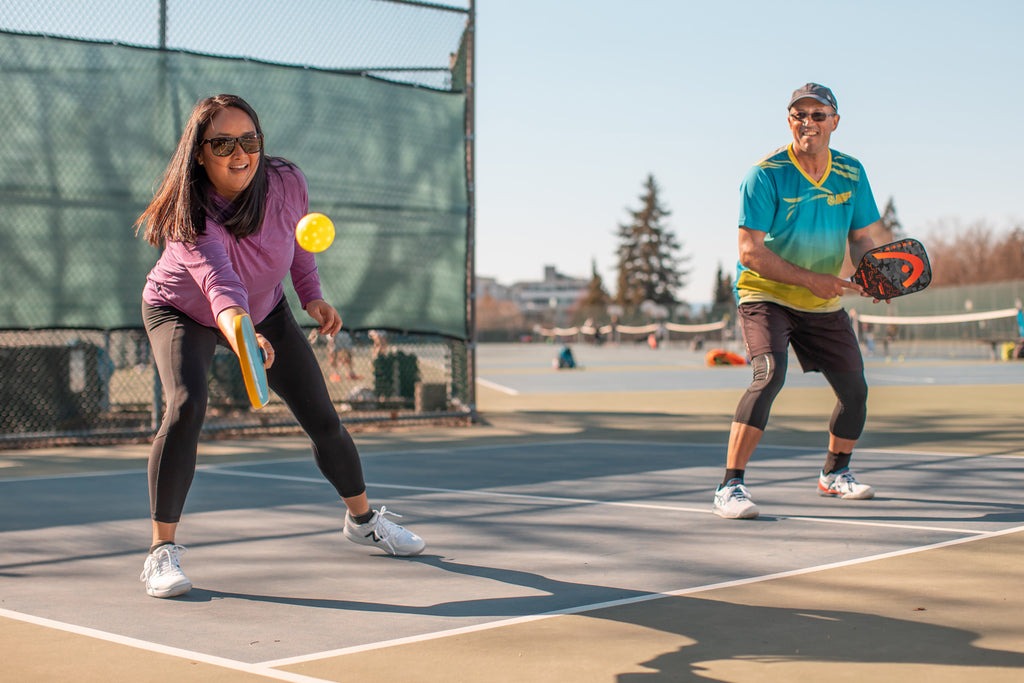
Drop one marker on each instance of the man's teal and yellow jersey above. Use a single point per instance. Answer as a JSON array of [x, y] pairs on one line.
[[807, 223]]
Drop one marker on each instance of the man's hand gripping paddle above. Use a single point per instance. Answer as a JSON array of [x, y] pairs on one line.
[[250, 355], [894, 269]]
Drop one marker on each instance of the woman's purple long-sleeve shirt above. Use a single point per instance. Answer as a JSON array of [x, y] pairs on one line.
[[219, 271]]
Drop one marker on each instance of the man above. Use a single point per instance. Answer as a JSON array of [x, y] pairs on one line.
[[801, 207]]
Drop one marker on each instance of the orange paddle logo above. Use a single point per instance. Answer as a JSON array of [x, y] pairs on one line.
[[882, 280], [913, 264]]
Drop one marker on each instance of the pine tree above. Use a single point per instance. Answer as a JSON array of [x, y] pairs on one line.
[[724, 299], [649, 268], [892, 229], [594, 304], [596, 294]]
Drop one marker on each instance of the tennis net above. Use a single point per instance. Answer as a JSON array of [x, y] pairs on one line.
[[984, 334]]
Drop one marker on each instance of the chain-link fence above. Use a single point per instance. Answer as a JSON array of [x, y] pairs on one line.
[[74, 386], [371, 98], [398, 40]]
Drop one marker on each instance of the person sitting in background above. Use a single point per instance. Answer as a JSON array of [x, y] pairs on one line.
[[565, 359]]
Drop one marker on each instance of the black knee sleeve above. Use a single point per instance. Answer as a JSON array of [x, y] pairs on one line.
[[769, 375], [851, 411]]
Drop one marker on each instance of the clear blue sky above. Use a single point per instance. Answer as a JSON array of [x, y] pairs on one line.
[[577, 101]]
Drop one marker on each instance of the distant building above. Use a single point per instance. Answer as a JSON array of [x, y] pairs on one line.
[[488, 287], [551, 300]]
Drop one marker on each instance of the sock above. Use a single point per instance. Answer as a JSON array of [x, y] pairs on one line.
[[731, 474], [836, 461], [362, 519], [158, 544]]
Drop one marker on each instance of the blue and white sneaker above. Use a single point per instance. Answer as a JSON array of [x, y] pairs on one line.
[[382, 532], [733, 501], [843, 484]]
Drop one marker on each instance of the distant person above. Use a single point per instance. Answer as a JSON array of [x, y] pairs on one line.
[[565, 360], [339, 353], [379, 339], [225, 216], [802, 206], [869, 340]]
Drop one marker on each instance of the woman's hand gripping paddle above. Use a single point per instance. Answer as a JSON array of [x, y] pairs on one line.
[[250, 355]]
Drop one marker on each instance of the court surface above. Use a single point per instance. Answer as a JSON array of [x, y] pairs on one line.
[[570, 538]]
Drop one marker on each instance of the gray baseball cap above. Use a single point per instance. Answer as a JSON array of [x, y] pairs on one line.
[[814, 91]]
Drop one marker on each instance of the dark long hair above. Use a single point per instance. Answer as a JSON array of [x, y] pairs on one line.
[[181, 204]]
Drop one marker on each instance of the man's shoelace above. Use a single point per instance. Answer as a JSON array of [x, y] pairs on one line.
[[740, 492], [844, 480]]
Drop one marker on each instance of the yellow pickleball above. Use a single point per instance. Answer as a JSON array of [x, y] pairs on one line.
[[314, 232]]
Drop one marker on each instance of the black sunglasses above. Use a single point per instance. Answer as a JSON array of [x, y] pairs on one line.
[[222, 147], [818, 116]]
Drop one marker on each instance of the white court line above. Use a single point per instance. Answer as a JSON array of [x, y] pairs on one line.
[[510, 444], [73, 475], [486, 493], [765, 447], [235, 665], [628, 601], [904, 380], [857, 522], [497, 387]]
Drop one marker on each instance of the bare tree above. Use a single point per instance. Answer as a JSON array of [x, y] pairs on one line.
[[498, 319], [975, 254]]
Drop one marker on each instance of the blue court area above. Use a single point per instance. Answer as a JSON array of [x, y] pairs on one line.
[[514, 530], [527, 369]]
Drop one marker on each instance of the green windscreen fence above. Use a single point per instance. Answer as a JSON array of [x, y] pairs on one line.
[[90, 126]]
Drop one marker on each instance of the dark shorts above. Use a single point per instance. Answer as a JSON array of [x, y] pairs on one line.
[[821, 341]]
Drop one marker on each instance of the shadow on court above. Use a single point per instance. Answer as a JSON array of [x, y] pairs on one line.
[[826, 639], [554, 595], [714, 630]]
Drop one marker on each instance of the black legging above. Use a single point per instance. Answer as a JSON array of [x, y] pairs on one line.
[[183, 350]]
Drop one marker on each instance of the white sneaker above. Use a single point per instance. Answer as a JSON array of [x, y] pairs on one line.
[[733, 501], [381, 531], [162, 572], [843, 484]]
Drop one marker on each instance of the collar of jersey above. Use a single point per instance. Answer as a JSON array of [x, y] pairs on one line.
[[824, 176]]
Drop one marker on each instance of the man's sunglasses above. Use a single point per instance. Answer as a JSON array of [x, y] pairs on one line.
[[818, 116], [222, 147]]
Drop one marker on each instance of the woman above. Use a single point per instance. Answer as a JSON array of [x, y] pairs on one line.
[[225, 216]]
